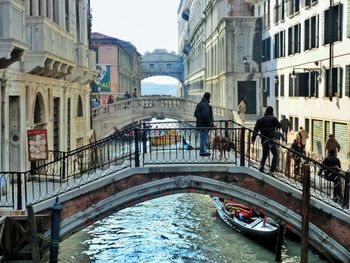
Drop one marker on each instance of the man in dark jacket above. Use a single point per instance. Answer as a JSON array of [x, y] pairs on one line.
[[286, 127], [204, 119], [333, 162], [267, 125]]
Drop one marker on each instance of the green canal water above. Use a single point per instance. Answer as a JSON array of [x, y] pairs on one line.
[[173, 229]]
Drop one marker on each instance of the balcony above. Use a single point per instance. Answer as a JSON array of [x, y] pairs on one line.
[[51, 53], [12, 37], [85, 70]]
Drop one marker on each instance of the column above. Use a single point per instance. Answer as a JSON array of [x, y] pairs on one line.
[[43, 8], [50, 9], [27, 7], [35, 7]]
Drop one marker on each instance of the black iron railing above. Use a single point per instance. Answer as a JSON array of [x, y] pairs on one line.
[[165, 143]]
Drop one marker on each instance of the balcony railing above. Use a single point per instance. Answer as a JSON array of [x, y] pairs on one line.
[[45, 36]]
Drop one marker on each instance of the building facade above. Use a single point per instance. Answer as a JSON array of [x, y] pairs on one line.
[[220, 42], [306, 67], [121, 61], [45, 70]]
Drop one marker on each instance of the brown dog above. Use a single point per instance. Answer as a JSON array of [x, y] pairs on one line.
[[221, 144]]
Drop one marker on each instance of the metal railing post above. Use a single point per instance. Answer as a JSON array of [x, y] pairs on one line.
[[19, 191], [242, 147], [346, 190], [137, 150], [63, 167], [144, 137], [305, 213]]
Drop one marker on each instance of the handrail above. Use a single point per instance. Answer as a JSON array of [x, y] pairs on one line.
[[169, 143]]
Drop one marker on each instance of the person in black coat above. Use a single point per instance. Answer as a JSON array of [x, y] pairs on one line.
[[204, 119], [286, 127], [332, 162], [298, 147], [267, 125]]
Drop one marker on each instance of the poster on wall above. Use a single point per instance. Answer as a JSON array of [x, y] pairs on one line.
[[37, 144], [103, 80]]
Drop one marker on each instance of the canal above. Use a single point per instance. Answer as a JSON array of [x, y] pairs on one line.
[[176, 228]]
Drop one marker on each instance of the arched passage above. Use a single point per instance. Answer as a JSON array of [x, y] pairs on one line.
[[160, 86]]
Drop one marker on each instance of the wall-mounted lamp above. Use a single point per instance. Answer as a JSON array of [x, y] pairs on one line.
[[318, 71]]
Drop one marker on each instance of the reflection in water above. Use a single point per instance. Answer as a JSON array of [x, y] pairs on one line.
[[177, 228]]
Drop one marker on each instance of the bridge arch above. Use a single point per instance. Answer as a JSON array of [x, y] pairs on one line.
[[162, 63], [120, 190]]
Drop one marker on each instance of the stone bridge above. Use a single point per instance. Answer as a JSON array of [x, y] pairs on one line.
[[162, 63], [106, 119], [97, 180], [329, 228]]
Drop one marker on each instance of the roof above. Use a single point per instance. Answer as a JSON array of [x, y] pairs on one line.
[[97, 37]]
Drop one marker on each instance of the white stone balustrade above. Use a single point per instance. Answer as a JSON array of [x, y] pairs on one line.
[[11, 34], [119, 114]]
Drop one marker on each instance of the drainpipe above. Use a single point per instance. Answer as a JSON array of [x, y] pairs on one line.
[[330, 29]]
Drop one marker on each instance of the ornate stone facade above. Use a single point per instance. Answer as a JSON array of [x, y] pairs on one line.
[[45, 70], [220, 43]]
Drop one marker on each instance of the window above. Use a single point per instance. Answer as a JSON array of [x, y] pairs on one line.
[[80, 107], [151, 66], [266, 14], [347, 80], [291, 85], [336, 88], [311, 33], [333, 24], [266, 52], [310, 2], [291, 123], [296, 123], [168, 66], [307, 84], [294, 6], [265, 90], [294, 39], [279, 45], [282, 86], [276, 86]]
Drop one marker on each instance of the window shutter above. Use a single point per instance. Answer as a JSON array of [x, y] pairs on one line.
[[290, 93], [348, 19], [306, 34], [268, 87], [282, 86], [347, 80], [340, 81]]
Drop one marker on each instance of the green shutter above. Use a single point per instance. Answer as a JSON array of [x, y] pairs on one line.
[[347, 80]]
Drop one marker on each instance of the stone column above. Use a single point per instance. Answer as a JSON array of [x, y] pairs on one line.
[[50, 9], [27, 7], [43, 8], [35, 7]]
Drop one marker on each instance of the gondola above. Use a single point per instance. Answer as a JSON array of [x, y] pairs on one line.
[[254, 225]]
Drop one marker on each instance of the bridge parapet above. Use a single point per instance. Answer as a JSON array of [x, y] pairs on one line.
[[106, 119]]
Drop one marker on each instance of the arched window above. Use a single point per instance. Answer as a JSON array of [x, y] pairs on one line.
[[80, 107], [39, 111]]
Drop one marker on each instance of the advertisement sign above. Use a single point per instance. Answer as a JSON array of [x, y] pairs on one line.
[[37, 144], [103, 80]]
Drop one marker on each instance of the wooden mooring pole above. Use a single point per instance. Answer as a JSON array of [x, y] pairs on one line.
[[305, 213], [279, 244], [34, 243]]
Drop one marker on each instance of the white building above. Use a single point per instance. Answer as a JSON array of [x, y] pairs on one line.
[[298, 52], [45, 70], [220, 42]]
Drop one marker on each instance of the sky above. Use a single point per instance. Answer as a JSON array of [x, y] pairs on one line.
[[147, 24]]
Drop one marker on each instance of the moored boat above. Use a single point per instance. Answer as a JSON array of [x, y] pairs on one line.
[[251, 223], [169, 137]]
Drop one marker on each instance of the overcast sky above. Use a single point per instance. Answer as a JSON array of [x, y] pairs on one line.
[[147, 24]]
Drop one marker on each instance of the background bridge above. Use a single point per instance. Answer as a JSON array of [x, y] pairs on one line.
[[106, 119], [126, 168]]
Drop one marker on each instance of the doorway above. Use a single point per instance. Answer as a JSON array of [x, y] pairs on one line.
[[247, 92]]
